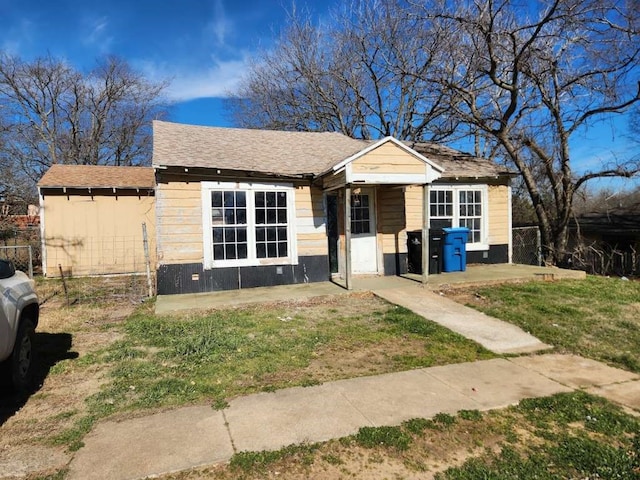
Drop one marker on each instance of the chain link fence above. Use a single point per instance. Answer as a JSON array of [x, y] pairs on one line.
[[123, 289], [20, 255], [527, 248], [22, 247]]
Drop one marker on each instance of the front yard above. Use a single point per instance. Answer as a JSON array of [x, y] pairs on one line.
[[113, 357]]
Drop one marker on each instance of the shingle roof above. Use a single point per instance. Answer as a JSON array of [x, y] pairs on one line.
[[287, 153], [97, 176], [264, 151], [457, 163]]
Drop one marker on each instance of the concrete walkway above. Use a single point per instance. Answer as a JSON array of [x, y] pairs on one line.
[[493, 334], [198, 435]]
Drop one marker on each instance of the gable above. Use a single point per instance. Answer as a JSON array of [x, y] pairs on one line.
[[387, 161], [388, 158]]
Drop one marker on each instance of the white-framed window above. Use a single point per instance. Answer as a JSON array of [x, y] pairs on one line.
[[461, 206], [247, 224]]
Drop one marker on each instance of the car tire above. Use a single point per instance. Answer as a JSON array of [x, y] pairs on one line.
[[22, 360]]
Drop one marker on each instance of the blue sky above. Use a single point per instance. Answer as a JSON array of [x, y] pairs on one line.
[[201, 46]]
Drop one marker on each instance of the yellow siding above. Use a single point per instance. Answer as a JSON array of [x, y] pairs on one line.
[[413, 204], [310, 222], [179, 229], [99, 234], [498, 214], [391, 220], [388, 158]]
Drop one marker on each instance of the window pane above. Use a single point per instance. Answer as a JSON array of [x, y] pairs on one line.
[[216, 216], [271, 216], [260, 217], [272, 251], [282, 233], [242, 250], [433, 209], [241, 234], [271, 234], [261, 236], [261, 250], [282, 249], [259, 199], [229, 199], [282, 216], [217, 235], [216, 199], [271, 199], [229, 216], [218, 252], [241, 199], [433, 196], [282, 199], [230, 235], [449, 196], [241, 215], [230, 252]]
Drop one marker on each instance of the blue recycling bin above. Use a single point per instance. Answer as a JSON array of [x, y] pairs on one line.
[[454, 249]]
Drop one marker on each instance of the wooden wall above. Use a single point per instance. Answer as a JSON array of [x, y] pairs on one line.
[[97, 234], [388, 158], [180, 234], [179, 222], [499, 215], [392, 234]]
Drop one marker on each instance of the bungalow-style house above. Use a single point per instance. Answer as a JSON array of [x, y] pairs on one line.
[[91, 219], [239, 208]]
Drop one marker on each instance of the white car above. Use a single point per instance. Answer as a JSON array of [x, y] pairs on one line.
[[19, 312]]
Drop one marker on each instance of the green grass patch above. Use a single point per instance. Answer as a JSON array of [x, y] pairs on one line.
[[214, 357], [578, 436], [373, 437], [259, 461], [167, 361], [598, 317]]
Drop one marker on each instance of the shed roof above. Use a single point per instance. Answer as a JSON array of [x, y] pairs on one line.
[[97, 176], [288, 153]]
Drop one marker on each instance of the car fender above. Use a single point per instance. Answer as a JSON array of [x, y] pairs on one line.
[[16, 293]]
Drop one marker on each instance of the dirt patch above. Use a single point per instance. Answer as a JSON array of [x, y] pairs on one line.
[[28, 426]]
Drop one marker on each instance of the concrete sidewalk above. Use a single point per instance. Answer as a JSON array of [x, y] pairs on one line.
[[195, 436]]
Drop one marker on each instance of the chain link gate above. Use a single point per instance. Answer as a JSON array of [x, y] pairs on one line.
[[527, 248]]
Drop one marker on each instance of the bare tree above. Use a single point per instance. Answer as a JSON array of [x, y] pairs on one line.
[[53, 113], [529, 76], [364, 74]]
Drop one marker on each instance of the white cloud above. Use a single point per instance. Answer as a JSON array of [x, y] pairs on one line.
[[220, 79], [97, 34], [220, 26]]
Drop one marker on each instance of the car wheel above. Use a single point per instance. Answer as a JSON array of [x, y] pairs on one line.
[[22, 358]]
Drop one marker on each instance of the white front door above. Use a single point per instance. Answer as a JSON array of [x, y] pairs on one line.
[[364, 254]]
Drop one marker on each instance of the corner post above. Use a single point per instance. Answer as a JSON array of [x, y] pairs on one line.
[[425, 232], [347, 236]]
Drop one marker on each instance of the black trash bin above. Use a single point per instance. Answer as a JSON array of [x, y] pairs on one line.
[[414, 247]]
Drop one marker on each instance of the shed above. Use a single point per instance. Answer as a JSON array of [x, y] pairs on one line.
[[91, 219]]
